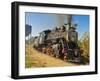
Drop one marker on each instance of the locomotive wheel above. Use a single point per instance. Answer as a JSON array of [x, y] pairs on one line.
[[49, 51]]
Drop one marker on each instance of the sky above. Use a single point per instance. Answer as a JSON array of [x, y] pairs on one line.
[[44, 21]]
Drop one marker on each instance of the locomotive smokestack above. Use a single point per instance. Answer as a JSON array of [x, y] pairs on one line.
[[69, 19]]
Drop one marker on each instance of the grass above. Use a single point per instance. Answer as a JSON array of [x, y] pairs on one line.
[[30, 61]]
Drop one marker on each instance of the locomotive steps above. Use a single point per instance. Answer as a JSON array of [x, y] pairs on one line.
[[34, 58]]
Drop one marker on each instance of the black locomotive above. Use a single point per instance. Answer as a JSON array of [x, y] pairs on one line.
[[61, 42]]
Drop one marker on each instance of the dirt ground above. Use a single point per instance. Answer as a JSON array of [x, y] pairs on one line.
[[34, 58]]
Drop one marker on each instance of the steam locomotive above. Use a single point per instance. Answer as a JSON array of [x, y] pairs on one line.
[[60, 42]]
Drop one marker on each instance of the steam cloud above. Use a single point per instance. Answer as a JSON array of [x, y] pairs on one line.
[[62, 19]]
